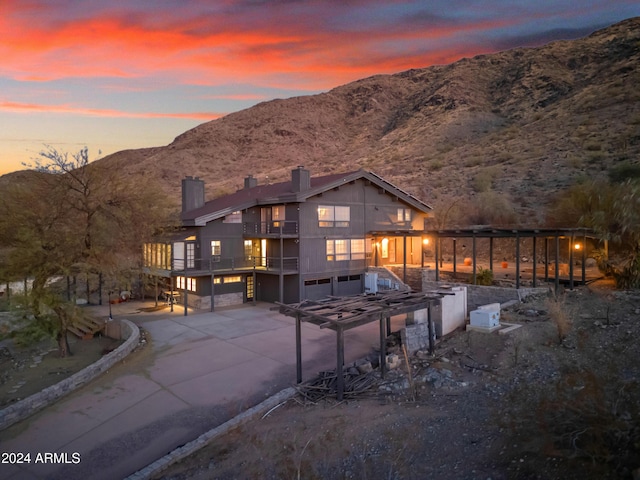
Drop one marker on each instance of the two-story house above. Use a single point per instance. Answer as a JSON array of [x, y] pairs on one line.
[[302, 239]]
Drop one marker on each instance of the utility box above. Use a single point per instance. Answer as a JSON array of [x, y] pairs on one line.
[[371, 282], [486, 316]]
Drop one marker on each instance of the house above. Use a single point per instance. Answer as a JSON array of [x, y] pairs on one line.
[[302, 239]]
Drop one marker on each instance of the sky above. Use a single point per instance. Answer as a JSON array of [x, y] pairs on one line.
[[120, 74]]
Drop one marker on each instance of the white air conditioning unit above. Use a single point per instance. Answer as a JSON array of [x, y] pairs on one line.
[[371, 282]]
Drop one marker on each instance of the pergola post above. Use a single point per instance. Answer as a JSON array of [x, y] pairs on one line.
[[404, 258], [557, 268], [474, 259], [340, 362], [455, 260], [298, 349], [571, 243], [437, 252], [584, 259], [383, 346], [517, 260], [491, 253], [432, 331], [535, 261], [546, 259]]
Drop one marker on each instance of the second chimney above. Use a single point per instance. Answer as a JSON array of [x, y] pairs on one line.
[[192, 193], [250, 182], [300, 179]]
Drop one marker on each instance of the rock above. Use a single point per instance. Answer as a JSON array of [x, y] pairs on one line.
[[365, 367], [353, 371]]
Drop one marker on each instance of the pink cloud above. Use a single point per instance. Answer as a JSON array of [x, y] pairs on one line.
[[17, 107]]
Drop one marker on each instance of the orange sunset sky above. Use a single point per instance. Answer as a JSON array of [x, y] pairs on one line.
[[129, 74]]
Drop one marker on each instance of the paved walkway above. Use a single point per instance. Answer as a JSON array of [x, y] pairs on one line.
[[200, 370]]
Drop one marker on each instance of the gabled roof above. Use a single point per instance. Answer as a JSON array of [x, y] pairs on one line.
[[278, 193]]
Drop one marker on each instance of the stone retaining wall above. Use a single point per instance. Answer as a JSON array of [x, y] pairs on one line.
[[30, 405]]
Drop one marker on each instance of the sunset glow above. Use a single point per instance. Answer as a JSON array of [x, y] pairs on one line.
[[81, 67]]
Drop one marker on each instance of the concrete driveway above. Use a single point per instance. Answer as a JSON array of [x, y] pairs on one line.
[[200, 371]]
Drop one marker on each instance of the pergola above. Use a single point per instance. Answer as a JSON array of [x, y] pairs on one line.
[[344, 313], [546, 234]]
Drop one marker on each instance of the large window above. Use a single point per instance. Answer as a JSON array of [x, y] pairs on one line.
[[183, 283], [333, 216], [157, 255], [345, 249]]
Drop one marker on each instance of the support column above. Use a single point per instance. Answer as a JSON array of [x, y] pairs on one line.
[[455, 259], [557, 269], [437, 259], [432, 331], [388, 322], [383, 346], [298, 349], [491, 253], [571, 244], [517, 260], [281, 279], [474, 260], [535, 261], [546, 259], [171, 298], [340, 365], [404, 258], [186, 297], [584, 259]]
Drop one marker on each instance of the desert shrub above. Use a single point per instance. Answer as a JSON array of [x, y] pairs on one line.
[[484, 276], [560, 315], [491, 208], [482, 181], [582, 415], [623, 172], [435, 165]]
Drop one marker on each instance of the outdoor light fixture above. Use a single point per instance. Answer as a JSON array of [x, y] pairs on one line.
[[425, 241], [577, 246]]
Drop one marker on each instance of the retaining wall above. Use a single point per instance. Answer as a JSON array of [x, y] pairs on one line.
[[30, 405], [482, 295]]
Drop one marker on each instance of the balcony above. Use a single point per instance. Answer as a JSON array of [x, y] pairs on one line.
[[273, 229], [221, 265]]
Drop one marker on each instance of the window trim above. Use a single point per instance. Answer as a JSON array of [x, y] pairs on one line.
[[334, 216]]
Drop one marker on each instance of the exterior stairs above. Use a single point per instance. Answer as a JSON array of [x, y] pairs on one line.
[[86, 328]]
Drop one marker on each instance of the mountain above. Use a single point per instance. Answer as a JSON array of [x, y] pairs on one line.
[[525, 123]]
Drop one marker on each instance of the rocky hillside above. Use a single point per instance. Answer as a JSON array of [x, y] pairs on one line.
[[524, 122]]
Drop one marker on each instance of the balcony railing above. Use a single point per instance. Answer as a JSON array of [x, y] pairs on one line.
[[229, 264], [275, 227]]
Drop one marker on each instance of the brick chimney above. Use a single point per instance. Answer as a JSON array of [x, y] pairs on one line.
[[250, 182], [300, 179], [192, 193]]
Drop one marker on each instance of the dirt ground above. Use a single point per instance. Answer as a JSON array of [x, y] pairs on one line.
[[28, 370], [558, 398]]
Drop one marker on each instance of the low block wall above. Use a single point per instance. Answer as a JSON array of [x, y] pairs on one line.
[[30, 405], [482, 295]]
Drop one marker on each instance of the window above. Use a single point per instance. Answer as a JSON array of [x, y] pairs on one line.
[[404, 215], [157, 255], [357, 249], [277, 215], [333, 216], [191, 255], [234, 279], [344, 249], [186, 284], [235, 217], [216, 250], [248, 249]]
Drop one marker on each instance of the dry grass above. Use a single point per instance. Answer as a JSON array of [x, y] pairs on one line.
[[561, 315]]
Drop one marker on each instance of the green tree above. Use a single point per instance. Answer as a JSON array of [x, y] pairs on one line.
[[612, 210], [74, 217]]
